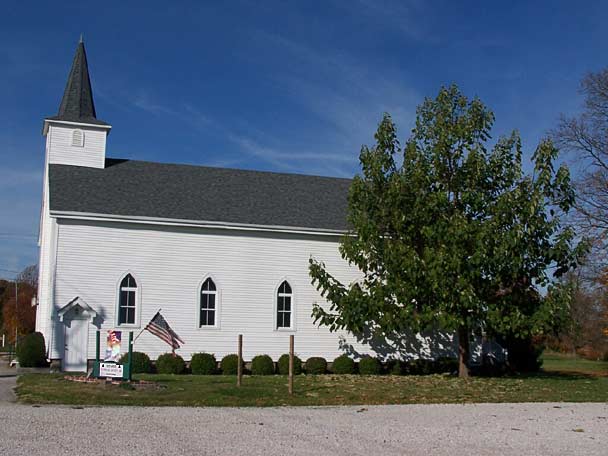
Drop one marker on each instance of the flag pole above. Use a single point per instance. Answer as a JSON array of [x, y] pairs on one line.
[[146, 325]]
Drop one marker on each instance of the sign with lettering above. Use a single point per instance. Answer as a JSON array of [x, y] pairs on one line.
[[110, 370]]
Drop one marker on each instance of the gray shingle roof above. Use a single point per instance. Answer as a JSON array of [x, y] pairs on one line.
[[199, 193], [77, 103]]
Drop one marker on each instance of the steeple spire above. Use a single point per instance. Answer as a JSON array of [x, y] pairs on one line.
[[77, 103]]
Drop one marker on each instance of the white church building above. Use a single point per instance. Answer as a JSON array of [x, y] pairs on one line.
[[221, 251]]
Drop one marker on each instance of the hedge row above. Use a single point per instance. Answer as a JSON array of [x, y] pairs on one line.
[[206, 364]]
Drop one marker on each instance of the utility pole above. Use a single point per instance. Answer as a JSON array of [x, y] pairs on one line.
[[16, 314]]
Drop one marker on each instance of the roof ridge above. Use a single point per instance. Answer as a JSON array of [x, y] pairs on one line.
[[191, 165]]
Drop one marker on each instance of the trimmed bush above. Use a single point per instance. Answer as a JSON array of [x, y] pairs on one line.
[[31, 351], [369, 366], [343, 365], [421, 366], [140, 362], [316, 365], [170, 364], [446, 365], [203, 364], [396, 367], [229, 364], [524, 354], [283, 365], [262, 365]]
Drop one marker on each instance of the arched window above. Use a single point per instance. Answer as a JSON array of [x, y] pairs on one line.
[[208, 303], [78, 138], [127, 302], [284, 302]]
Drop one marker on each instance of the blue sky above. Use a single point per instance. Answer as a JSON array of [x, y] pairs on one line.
[[283, 86]]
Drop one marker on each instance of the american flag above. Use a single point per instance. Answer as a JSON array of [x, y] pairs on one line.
[[160, 328]]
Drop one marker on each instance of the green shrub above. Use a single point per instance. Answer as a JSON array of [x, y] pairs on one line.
[[369, 366], [203, 364], [140, 362], [31, 351], [419, 366], [262, 365], [524, 354], [343, 365], [446, 365], [283, 365], [169, 363], [396, 367], [229, 364], [316, 365]]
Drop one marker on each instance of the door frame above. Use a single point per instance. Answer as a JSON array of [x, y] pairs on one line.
[[76, 309]]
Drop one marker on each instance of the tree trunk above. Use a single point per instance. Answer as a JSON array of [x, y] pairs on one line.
[[463, 352]]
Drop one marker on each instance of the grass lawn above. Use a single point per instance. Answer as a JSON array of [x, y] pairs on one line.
[[564, 379], [559, 362]]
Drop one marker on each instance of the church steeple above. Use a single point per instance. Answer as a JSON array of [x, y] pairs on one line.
[[77, 103], [75, 136]]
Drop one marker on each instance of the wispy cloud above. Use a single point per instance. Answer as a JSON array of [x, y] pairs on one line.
[[10, 178], [281, 158], [403, 16], [347, 94], [144, 101]]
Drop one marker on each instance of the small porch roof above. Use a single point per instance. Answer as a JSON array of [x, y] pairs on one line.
[[74, 304]]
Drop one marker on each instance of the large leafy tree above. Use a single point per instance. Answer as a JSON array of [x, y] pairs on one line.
[[458, 237]]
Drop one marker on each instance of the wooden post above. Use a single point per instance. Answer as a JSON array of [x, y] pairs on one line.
[[130, 356], [97, 348], [239, 367], [291, 365]]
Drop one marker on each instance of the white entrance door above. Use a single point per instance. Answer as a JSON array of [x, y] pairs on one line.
[[76, 334]]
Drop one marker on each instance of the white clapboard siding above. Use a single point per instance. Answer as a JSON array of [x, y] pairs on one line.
[[62, 150], [170, 263]]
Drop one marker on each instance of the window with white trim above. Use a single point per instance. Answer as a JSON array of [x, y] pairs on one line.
[[284, 305], [127, 301], [208, 304], [78, 138]]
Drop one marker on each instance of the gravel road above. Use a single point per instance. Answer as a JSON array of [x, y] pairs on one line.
[[484, 429]]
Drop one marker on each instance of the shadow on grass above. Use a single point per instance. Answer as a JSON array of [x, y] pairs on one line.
[[556, 375]]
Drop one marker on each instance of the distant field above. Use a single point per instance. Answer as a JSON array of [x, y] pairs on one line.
[[564, 379]]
